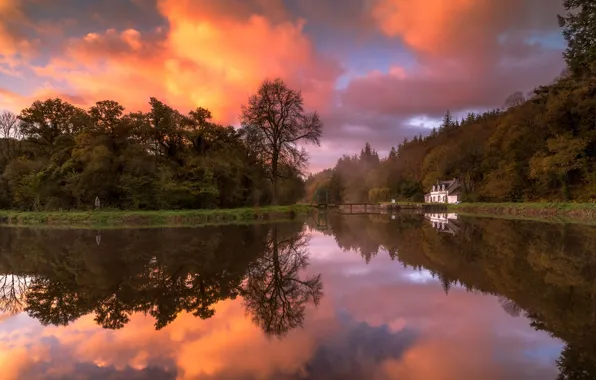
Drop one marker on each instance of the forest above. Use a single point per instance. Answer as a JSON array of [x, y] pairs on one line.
[[56, 156], [539, 146]]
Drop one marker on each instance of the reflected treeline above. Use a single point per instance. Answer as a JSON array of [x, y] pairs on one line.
[[544, 271], [58, 276]]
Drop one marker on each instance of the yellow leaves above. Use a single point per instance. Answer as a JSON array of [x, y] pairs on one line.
[[565, 155], [435, 165]]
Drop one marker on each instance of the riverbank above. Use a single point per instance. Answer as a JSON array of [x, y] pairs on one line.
[[580, 212], [120, 218]]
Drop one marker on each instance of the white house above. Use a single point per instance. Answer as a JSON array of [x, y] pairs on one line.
[[444, 222], [444, 192]]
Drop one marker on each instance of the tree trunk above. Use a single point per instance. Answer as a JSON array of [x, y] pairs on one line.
[[274, 192], [274, 179]]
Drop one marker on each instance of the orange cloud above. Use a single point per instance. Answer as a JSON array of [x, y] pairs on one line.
[[427, 26], [206, 58], [463, 34], [228, 343]]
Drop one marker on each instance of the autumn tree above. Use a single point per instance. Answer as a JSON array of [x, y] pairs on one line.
[[273, 123]]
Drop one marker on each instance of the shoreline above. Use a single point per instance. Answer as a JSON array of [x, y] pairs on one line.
[[157, 218], [559, 212], [105, 219]]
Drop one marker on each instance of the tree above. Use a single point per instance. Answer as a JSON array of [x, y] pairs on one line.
[[273, 122], [579, 30], [10, 133], [514, 100], [447, 121], [44, 122]]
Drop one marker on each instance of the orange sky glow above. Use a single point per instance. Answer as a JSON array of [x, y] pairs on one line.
[[214, 55]]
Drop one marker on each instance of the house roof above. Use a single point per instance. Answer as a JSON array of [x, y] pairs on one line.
[[450, 185]]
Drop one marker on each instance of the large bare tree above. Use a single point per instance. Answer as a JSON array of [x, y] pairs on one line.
[[273, 122]]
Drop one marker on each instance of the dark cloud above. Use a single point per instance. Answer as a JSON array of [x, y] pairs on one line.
[[79, 17], [524, 68], [88, 371]]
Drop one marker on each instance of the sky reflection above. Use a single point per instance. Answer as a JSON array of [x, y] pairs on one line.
[[375, 321]]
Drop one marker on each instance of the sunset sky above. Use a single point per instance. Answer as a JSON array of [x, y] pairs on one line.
[[376, 70]]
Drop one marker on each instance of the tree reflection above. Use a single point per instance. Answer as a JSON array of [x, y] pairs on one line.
[[539, 270], [12, 293], [274, 293], [576, 364], [159, 273]]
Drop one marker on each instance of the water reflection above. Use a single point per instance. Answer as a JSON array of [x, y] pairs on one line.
[[160, 273], [545, 271], [477, 298]]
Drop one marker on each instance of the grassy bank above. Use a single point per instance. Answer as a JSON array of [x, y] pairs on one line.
[[582, 212], [118, 218]]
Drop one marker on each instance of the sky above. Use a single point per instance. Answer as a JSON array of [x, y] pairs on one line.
[[375, 321], [375, 70]]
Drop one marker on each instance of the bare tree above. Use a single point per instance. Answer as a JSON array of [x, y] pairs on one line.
[[12, 293], [10, 134], [515, 99], [273, 123]]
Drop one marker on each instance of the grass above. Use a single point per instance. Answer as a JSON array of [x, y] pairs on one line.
[[120, 218], [584, 212], [559, 212]]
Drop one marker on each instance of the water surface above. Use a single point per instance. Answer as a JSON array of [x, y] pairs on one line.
[[337, 297]]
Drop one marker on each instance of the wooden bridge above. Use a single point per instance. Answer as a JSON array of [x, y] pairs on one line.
[[321, 200], [368, 208]]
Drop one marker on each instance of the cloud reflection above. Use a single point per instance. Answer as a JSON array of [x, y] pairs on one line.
[[389, 322]]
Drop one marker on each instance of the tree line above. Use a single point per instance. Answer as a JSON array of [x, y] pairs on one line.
[[54, 155], [538, 146]]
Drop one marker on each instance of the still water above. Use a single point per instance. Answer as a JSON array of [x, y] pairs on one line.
[[407, 297]]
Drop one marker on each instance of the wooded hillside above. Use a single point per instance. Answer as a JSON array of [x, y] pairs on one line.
[[538, 147]]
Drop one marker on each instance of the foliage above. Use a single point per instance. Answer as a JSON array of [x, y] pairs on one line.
[[57, 156], [579, 30]]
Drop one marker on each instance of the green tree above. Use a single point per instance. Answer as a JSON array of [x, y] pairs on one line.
[[44, 122], [579, 30]]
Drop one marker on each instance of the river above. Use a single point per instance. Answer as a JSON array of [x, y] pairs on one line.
[[404, 296]]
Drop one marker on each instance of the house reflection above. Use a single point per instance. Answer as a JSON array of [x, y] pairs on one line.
[[444, 222]]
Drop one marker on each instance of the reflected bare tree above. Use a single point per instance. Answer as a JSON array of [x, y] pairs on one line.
[[13, 289], [274, 293]]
